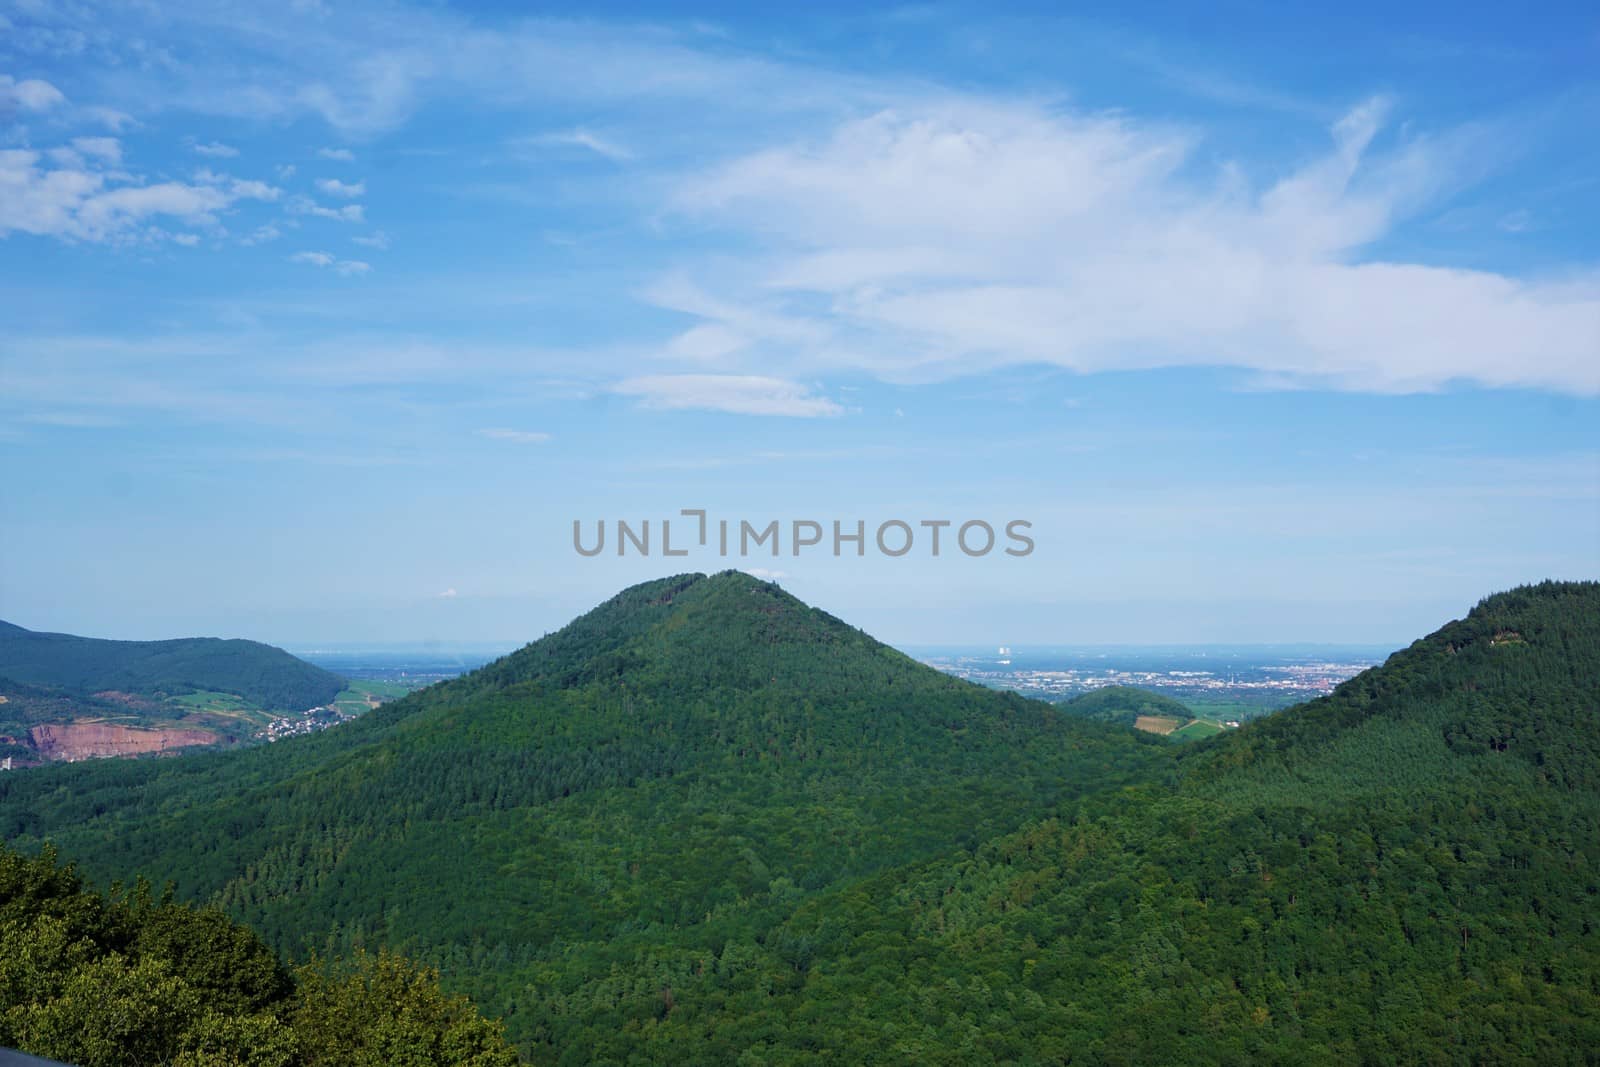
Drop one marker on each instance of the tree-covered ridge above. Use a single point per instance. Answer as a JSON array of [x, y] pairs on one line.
[[1517, 680], [673, 774], [127, 980], [1123, 704], [268, 677]]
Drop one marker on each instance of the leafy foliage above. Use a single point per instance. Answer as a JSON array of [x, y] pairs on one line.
[[123, 980]]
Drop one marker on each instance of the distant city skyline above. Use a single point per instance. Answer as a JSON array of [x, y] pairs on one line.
[[323, 324]]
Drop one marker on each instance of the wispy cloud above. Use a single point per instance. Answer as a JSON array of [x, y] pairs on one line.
[[581, 138], [733, 393], [965, 237], [365, 68], [324, 259], [894, 229], [520, 437]]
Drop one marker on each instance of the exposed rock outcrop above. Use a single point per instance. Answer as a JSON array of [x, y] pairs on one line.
[[91, 740]]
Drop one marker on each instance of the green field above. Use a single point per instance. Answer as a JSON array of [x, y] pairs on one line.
[[1197, 729], [209, 701], [359, 697]]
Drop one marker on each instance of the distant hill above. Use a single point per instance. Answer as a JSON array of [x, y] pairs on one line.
[[706, 823], [1124, 704], [268, 677]]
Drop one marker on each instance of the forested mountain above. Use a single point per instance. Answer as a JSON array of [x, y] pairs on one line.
[[266, 676], [706, 823], [129, 980], [1405, 871], [579, 828]]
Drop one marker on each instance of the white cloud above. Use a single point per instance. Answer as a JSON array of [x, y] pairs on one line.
[[342, 190], [215, 150], [735, 393], [943, 235], [303, 205], [30, 94], [73, 202], [339, 155], [581, 138], [521, 437], [379, 240], [963, 237], [346, 267], [187, 240], [448, 594]]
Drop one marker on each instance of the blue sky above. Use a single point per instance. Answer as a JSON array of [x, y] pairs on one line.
[[321, 325]]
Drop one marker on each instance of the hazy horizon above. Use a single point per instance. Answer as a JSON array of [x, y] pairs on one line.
[[331, 323]]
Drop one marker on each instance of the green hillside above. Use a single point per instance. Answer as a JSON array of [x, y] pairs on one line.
[[706, 823], [630, 805], [268, 677], [1123, 704]]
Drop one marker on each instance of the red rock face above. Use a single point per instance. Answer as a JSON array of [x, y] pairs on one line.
[[92, 740]]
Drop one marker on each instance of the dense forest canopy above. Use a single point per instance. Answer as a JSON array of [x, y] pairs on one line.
[[129, 980], [706, 823], [266, 676]]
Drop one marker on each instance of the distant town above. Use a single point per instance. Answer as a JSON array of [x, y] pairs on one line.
[[1251, 680]]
